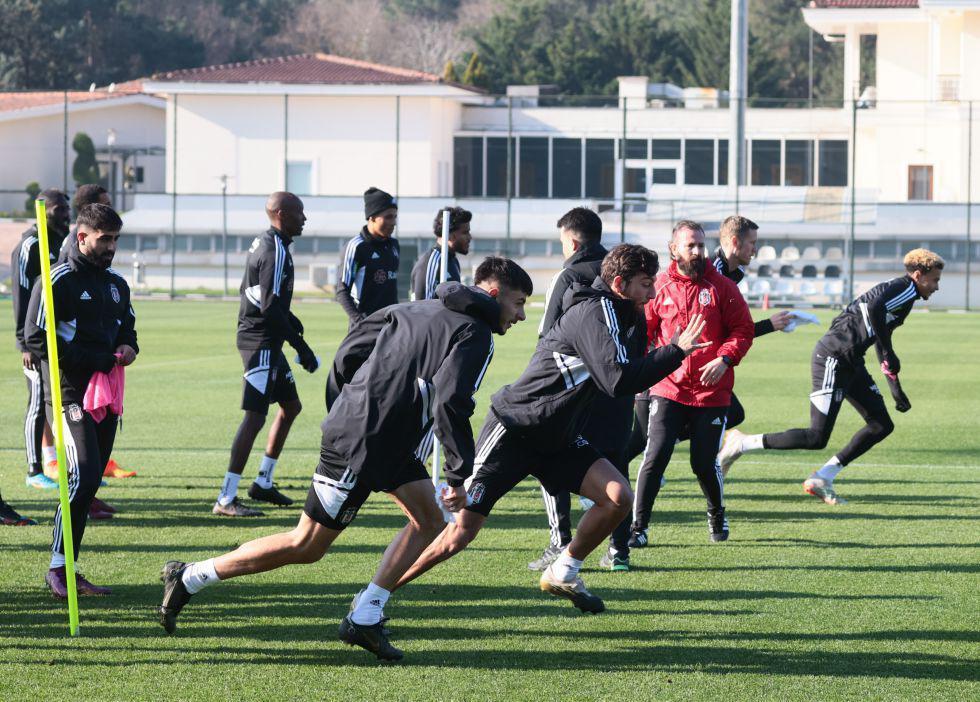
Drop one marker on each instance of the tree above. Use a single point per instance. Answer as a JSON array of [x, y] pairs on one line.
[[85, 168], [475, 73], [33, 189], [449, 72]]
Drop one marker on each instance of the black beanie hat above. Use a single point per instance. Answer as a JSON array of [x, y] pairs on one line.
[[377, 200]]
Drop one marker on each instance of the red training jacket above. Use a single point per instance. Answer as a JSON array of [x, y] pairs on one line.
[[728, 327]]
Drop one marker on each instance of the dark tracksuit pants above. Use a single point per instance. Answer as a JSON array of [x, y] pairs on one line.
[[667, 421], [88, 445], [34, 421], [835, 380]]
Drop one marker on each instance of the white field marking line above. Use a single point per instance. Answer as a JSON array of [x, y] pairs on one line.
[[795, 464]]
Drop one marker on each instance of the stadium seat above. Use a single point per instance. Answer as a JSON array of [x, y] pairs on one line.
[[809, 271], [761, 287], [765, 271], [786, 271], [834, 253], [811, 253], [832, 271], [790, 253], [834, 288], [766, 253], [809, 289]]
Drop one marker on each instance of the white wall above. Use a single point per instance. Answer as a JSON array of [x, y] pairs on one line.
[[902, 63], [32, 148]]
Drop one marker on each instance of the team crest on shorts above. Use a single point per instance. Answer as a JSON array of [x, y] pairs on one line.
[[74, 413], [347, 515], [838, 395], [580, 441], [380, 277], [476, 493], [114, 291], [704, 298]]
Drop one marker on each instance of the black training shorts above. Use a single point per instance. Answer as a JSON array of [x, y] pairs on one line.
[[267, 379]]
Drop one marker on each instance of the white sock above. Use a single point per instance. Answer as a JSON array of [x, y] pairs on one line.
[[752, 442], [198, 576], [830, 469], [50, 454], [265, 472], [370, 605], [229, 488], [565, 568], [57, 559]]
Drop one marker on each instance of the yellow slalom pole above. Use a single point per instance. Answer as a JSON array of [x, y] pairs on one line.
[[58, 424]]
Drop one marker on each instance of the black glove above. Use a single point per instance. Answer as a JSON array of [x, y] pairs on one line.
[[307, 358], [902, 403]]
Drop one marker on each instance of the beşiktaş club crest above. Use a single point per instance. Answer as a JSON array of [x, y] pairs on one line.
[[704, 297], [347, 515], [476, 493], [114, 291], [74, 413], [380, 277]]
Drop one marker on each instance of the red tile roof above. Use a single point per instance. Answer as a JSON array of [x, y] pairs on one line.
[[23, 100], [301, 68], [864, 4]]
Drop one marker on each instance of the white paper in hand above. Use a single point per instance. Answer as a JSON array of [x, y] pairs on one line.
[[798, 318], [441, 490], [317, 362]]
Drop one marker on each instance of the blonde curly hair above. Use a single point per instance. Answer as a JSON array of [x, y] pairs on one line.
[[922, 260]]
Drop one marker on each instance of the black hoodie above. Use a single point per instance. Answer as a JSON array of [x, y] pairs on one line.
[[596, 346], [93, 318], [404, 368], [25, 267], [763, 326], [581, 267]]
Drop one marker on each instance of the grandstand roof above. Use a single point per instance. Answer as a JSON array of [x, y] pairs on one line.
[[301, 69], [26, 99]]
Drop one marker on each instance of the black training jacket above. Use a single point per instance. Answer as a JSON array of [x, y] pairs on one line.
[[869, 320], [763, 326], [425, 273], [94, 317], [597, 345], [25, 267], [581, 267], [264, 319], [404, 368], [368, 275]]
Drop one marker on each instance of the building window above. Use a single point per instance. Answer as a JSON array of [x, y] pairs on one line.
[[799, 162], [299, 177], [920, 182], [699, 161], [566, 159], [765, 162], [636, 148], [664, 176], [723, 162], [497, 166], [636, 180], [666, 149], [599, 168], [833, 163], [533, 181], [468, 166]]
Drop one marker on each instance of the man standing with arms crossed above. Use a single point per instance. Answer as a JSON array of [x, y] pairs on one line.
[[838, 372], [696, 396], [264, 324], [96, 332], [368, 276], [426, 271]]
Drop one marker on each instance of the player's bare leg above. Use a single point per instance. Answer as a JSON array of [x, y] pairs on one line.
[[454, 538]]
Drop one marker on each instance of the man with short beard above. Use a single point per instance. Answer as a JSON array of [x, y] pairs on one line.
[[695, 397], [96, 332]]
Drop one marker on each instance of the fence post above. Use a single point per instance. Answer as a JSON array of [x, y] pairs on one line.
[[65, 150], [969, 198], [510, 167], [173, 206], [622, 178], [850, 239]]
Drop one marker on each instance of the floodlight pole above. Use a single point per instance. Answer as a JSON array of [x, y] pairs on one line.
[[737, 94], [224, 225], [969, 198]]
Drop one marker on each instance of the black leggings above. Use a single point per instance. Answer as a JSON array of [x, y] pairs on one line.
[[34, 420], [87, 448], [667, 420], [638, 439], [833, 381]]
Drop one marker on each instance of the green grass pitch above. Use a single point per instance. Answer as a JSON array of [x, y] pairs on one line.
[[875, 600]]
